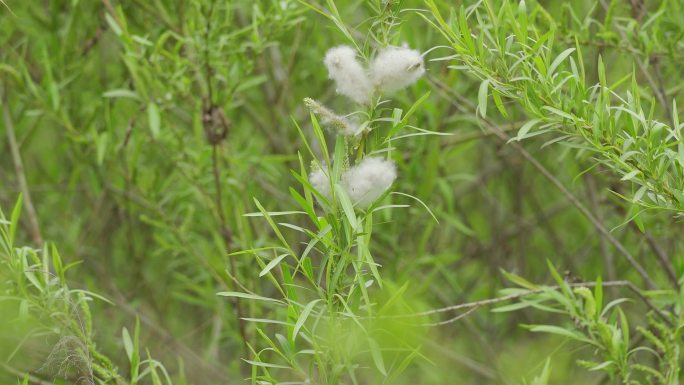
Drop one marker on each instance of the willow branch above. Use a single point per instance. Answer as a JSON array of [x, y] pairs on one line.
[[469, 306], [557, 183]]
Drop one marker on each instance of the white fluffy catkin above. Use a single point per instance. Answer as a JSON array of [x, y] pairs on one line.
[[368, 180], [320, 181], [395, 68], [349, 75]]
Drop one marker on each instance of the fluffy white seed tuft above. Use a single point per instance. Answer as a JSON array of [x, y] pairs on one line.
[[320, 181], [349, 75], [395, 68], [368, 180]]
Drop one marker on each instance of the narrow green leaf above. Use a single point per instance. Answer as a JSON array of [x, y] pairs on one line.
[[128, 343], [376, 354], [302, 317], [526, 128], [630, 175], [482, 98], [551, 329], [559, 60], [113, 24], [347, 206], [520, 281], [272, 264], [14, 218], [559, 113], [153, 119], [235, 294], [121, 93]]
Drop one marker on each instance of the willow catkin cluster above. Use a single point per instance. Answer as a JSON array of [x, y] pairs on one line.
[[392, 69], [395, 68], [368, 180], [349, 75], [321, 182], [364, 183]]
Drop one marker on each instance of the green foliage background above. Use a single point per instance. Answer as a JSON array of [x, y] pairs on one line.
[[147, 128]]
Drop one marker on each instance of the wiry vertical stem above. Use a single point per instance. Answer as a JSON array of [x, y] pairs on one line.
[[609, 262], [34, 228], [227, 236], [214, 117], [207, 62]]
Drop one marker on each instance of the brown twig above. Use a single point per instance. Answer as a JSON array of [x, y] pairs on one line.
[[608, 259], [662, 257], [92, 42], [453, 319], [511, 297], [664, 260], [111, 11]]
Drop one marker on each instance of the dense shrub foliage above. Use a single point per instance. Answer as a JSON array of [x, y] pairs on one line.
[[341, 192]]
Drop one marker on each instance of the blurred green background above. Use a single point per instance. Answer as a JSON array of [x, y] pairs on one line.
[[146, 128]]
